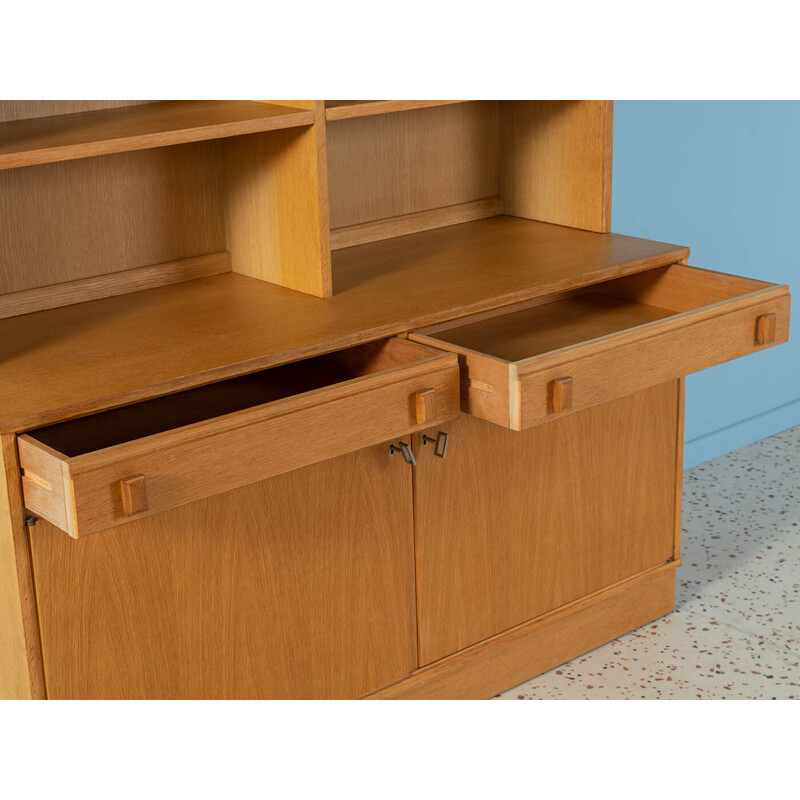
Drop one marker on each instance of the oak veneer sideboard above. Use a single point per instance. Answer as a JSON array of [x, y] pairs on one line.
[[335, 399]]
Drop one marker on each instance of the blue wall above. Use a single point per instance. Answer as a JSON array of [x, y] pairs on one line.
[[724, 179]]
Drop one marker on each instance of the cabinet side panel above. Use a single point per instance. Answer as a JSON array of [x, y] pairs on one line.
[[556, 161], [681, 409], [301, 586], [20, 655], [512, 524]]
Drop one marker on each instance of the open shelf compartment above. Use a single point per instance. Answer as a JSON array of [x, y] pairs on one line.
[[392, 174], [43, 140], [174, 191]]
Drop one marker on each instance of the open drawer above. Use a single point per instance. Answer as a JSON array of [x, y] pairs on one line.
[[528, 363], [93, 473]]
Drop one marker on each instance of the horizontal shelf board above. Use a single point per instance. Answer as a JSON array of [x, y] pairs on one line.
[[347, 109], [76, 360], [44, 140]]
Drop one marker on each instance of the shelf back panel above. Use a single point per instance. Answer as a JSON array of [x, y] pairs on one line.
[[97, 216], [402, 163], [11, 110]]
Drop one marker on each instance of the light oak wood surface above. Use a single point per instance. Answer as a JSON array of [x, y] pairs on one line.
[[543, 160], [132, 280], [250, 594], [28, 109], [175, 337], [556, 161], [512, 525], [347, 109], [272, 209], [391, 165], [42, 140], [649, 356], [534, 647], [608, 341], [414, 223], [83, 219], [21, 674], [193, 301], [320, 414], [679, 467], [533, 331]]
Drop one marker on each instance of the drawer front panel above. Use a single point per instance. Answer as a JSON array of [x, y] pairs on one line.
[[123, 483], [631, 366]]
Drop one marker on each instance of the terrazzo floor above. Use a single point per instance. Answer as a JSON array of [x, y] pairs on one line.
[[735, 633]]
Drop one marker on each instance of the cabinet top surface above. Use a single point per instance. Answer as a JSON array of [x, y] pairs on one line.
[[80, 359]]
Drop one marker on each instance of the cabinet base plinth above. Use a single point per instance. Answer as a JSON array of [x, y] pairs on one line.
[[519, 654]]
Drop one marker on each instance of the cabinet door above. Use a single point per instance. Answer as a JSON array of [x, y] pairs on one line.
[[301, 586], [513, 524]]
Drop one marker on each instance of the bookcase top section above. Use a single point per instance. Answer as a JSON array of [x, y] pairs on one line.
[[43, 140], [76, 360]]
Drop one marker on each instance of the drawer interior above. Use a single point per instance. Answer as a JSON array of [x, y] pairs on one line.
[[601, 310], [128, 423]]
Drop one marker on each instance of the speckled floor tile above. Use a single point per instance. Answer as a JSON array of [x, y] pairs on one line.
[[735, 633]]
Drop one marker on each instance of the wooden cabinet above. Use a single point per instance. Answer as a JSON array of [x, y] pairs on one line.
[[298, 586], [511, 525], [230, 335]]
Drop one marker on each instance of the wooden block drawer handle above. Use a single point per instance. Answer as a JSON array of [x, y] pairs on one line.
[[562, 394], [425, 404], [134, 494], [766, 329]]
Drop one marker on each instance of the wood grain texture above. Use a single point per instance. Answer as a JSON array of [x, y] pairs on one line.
[[82, 219], [258, 593], [680, 287], [196, 332], [425, 405], [512, 525], [134, 494], [194, 461], [540, 329], [132, 280], [273, 201], [534, 647], [562, 394], [414, 223], [610, 346], [766, 326], [556, 161], [28, 109], [46, 486], [347, 109], [679, 468], [43, 140], [21, 674], [630, 361], [391, 165]]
